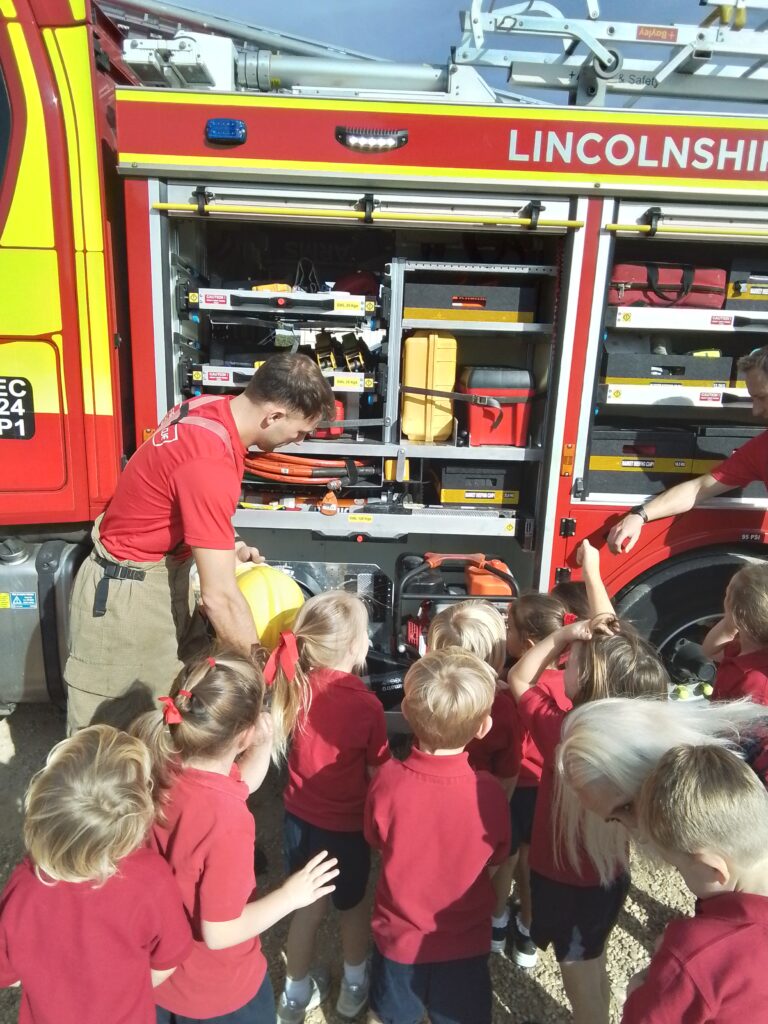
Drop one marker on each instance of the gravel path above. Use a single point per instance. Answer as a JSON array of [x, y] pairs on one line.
[[535, 996]]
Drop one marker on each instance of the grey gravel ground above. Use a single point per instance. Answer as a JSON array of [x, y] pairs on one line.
[[535, 996]]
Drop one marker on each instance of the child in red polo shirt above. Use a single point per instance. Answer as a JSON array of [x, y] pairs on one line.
[[574, 908], [338, 739], [91, 920], [442, 830], [739, 641], [531, 618], [707, 814], [479, 627], [211, 747]]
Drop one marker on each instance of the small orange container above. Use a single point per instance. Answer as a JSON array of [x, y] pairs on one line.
[[481, 583]]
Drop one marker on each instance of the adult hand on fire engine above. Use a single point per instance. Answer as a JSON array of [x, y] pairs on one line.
[[244, 553], [624, 535]]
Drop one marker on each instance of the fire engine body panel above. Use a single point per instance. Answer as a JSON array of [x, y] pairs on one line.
[[157, 243]]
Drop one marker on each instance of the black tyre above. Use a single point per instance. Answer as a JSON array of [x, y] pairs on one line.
[[682, 598]]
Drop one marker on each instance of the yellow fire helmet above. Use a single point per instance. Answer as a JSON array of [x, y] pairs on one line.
[[273, 597]]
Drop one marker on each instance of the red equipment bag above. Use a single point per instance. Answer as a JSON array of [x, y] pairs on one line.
[[667, 284]]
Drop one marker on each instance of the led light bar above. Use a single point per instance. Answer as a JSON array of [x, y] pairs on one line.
[[372, 140]]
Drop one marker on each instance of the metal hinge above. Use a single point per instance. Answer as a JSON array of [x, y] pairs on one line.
[[567, 527], [562, 575]]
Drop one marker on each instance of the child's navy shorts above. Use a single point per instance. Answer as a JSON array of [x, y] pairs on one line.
[[301, 841], [452, 992], [575, 919], [522, 807]]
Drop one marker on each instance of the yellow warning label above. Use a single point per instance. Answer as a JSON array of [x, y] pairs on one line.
[[370, 307], [369, 382], [193, 297], [509, 528], [5, 600], [349, 382], [197, 375], [346, 306], [359, 517]]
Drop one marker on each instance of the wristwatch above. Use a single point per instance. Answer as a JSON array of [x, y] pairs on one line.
[[639, 510]]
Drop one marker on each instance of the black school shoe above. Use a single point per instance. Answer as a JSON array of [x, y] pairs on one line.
[[524, 950]]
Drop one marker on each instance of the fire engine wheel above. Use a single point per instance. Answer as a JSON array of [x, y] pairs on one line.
[[683, 598]]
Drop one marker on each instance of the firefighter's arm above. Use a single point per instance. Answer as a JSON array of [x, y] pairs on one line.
[[674, 502], [222, 602]]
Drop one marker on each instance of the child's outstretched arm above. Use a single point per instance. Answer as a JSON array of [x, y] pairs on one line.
[[254, 762], [589, 560], [525, 673], [301, 890]]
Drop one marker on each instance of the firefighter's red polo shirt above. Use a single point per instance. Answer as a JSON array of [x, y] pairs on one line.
[[711, 967], [499, 752], [332, 747], [181, 487], [83, 952], [747, 464], [543, 717], [551, 683], [742, 675], [208, 839], [438, 825]]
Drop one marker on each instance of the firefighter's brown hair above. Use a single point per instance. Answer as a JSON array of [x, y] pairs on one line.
[[295, 381]]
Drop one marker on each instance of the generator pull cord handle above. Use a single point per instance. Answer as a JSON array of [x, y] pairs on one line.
[[435, 560]]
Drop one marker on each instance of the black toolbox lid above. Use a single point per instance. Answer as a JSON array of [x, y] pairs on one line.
[[496, 377]]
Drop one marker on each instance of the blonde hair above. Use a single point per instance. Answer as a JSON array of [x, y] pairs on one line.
[[537, 616], [619, 742], [475, 626], [705, 798], [90, 806], [225, 698], [619, 664], [448, 694], [749, 602], [327, 629]]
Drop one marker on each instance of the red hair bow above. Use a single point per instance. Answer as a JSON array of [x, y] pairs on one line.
[[286, 655], [171, 714], [569, 618]]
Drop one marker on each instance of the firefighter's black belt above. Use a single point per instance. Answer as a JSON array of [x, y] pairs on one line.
[[112, 571]]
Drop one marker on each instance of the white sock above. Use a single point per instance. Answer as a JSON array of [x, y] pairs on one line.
[[298, 989], [502, 921], [355, 973], [521, 927]]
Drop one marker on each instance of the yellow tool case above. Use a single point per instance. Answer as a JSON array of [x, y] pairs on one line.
[[429, 361]]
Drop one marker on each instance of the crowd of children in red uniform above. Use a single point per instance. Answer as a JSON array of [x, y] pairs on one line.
[[136, 902]]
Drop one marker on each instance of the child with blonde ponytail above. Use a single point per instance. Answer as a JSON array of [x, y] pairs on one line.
[[338, 739], [210, 747]]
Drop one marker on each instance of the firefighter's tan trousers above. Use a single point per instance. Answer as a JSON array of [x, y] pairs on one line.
[[119, 663]]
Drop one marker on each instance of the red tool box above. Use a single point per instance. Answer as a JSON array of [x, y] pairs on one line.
[[506, 424]]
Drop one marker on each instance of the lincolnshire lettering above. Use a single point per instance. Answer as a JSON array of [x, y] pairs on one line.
[[617, 149]]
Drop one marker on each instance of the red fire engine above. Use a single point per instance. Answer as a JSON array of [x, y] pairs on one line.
[[181, 196]]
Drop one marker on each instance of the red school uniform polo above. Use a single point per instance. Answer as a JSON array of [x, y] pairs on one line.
[[543, 717], [709, 968], [438, 825], [551, 682], [499, 752], [83, 952], [208, 839], [343, 733], [742, 675], [179, 488], [747, 464]]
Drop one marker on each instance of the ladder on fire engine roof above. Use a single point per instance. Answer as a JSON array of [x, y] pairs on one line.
[[720, 60]]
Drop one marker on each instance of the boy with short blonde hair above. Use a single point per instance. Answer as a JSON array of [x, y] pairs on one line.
[[739, 641], [442, 829], [479, 627], [706, 812], [92, 919]]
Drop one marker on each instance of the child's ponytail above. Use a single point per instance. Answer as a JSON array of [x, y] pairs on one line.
[[327, 629], [212, 701]]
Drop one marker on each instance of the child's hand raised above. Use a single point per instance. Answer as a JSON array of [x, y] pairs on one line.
[[579, 630], [312, 882], [588, 558]]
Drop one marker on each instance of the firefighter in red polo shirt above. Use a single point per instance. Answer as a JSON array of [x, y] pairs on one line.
[[133, 620], [746, 465]]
